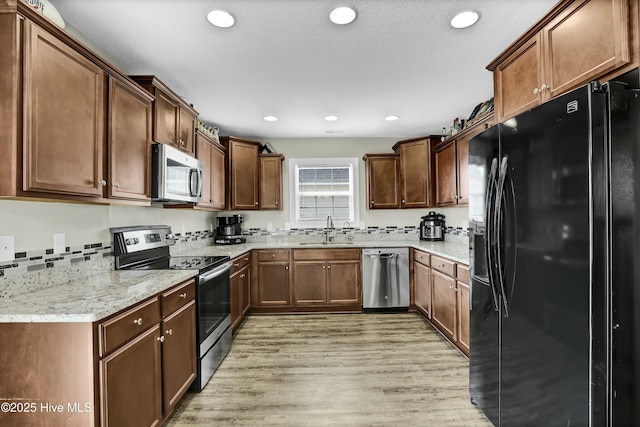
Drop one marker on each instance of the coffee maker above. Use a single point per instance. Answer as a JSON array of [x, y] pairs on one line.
[[229, 230], [432, 227]]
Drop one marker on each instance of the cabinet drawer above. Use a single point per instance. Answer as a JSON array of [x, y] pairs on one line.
[[121, 328], [422, 257], [274, 255], [443, 265], [463, 273], [238, 263], [326, 254], [176, 297]]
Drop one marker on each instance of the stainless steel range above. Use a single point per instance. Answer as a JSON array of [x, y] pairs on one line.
[[147, 248]]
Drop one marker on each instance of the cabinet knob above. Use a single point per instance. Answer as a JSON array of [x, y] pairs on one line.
[[536, 91], [246, 259], [183, 295], [256, 203], [544, 87], [329, 267], [161, 338], [273, 255], [276, 203], [235, 264], [373, 202], [169, 331], [402, 200], [286, 267], [116, 185], [102, 183], [138, 321], [324, 266], [243, 275]]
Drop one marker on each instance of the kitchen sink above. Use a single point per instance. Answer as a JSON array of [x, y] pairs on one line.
[[326, 243]]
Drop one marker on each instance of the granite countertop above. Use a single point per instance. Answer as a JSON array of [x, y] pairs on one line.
[[90, 299], [457, 252], [97, 297]]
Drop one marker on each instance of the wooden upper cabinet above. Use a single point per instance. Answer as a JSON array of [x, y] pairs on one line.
[[383, 175], [173, 119], [576, 42], [416, 179], [462, 167], [243, 173], [211, 154], [271, 181], [129, 141], [446, 180], [63, 117]]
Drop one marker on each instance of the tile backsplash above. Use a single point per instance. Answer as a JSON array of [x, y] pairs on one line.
[[42, 268]]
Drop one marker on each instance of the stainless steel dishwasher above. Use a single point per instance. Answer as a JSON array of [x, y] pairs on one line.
[[385, 279]]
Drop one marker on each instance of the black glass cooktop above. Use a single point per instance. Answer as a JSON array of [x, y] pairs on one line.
[[184, 263]]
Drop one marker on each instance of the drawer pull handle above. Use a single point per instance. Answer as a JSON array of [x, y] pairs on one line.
[[246, 259], [169, 331], [235, 264], [161, 338], [273, 255], [243, 275], [138, 321], [183, 295]]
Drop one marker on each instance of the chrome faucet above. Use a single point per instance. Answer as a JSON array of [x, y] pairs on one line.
[[327, 232]]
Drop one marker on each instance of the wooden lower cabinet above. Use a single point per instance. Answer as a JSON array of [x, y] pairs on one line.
[[444, 302], [422, 283], [240, 289], [178, 355], [270, 286], [327, 278], [462, 287], [131, 383]]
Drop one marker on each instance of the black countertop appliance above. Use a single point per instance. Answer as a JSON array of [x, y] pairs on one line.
[[432, 227], [229, 230]]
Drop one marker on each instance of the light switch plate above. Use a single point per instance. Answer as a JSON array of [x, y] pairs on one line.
[[58, 243], [7, 248]]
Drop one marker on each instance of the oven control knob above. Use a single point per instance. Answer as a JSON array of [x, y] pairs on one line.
[[131, 241], [169, 236]]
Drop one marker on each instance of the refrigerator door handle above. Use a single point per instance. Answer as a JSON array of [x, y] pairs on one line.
[[498, 231], [491, 185]]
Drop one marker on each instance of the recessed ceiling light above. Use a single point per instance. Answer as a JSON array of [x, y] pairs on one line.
[[331, 118], [343, 15], [270, 118], [391, 118], [221, 19], [465, 19]]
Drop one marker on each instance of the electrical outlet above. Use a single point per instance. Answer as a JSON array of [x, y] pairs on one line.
[[7, 248], [184, 231], [59, 243]]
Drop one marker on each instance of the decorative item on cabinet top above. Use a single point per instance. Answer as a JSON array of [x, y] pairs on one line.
[[210, 131], [268, 148]]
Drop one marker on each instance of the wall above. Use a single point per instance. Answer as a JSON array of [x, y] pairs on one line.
[[33, 223], [344, 147]]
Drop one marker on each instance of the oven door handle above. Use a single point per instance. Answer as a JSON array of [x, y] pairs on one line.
[[215, 272]]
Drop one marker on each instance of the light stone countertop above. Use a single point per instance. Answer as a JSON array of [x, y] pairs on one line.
[[90, 299], [457, 252], [97, 297]]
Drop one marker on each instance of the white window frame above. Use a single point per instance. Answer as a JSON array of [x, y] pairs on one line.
[[295, 164]]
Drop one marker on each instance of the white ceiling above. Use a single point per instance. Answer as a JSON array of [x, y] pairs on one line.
[[285, 58]]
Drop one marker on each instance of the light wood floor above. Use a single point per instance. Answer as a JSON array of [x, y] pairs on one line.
[[336, 370]]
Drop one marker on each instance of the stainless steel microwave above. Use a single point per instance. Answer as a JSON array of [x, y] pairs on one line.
[[176, 176]]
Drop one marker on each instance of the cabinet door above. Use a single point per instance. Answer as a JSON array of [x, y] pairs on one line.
[[63, 117], [129, 142], [443, 304], [244, 175], [236, 299], [414, 162], [271, 182], [178, 354], [165, 119], [463, 317], [273, 284], [344, 282], [204, 150], [446, 185], [383, 173], [245, 291], [131, 383], [186, 130], [422, 281], [462, 176], [309, 282], [217, 177], [603, 26], [518, 80]]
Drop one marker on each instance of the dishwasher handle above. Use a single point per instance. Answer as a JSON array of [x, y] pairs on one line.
[[387, 256]]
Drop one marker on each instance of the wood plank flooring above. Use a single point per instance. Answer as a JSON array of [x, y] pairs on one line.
[[336, 370]]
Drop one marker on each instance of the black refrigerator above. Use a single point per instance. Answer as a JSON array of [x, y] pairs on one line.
[[555, 286]]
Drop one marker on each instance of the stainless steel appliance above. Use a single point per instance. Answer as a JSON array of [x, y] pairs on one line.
[[229, 230], [385, 279], [432, 227], [176, 177], [147, 248], [555, 287]]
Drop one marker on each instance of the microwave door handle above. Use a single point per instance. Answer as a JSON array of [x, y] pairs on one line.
[[200, 183], [193, 182]]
